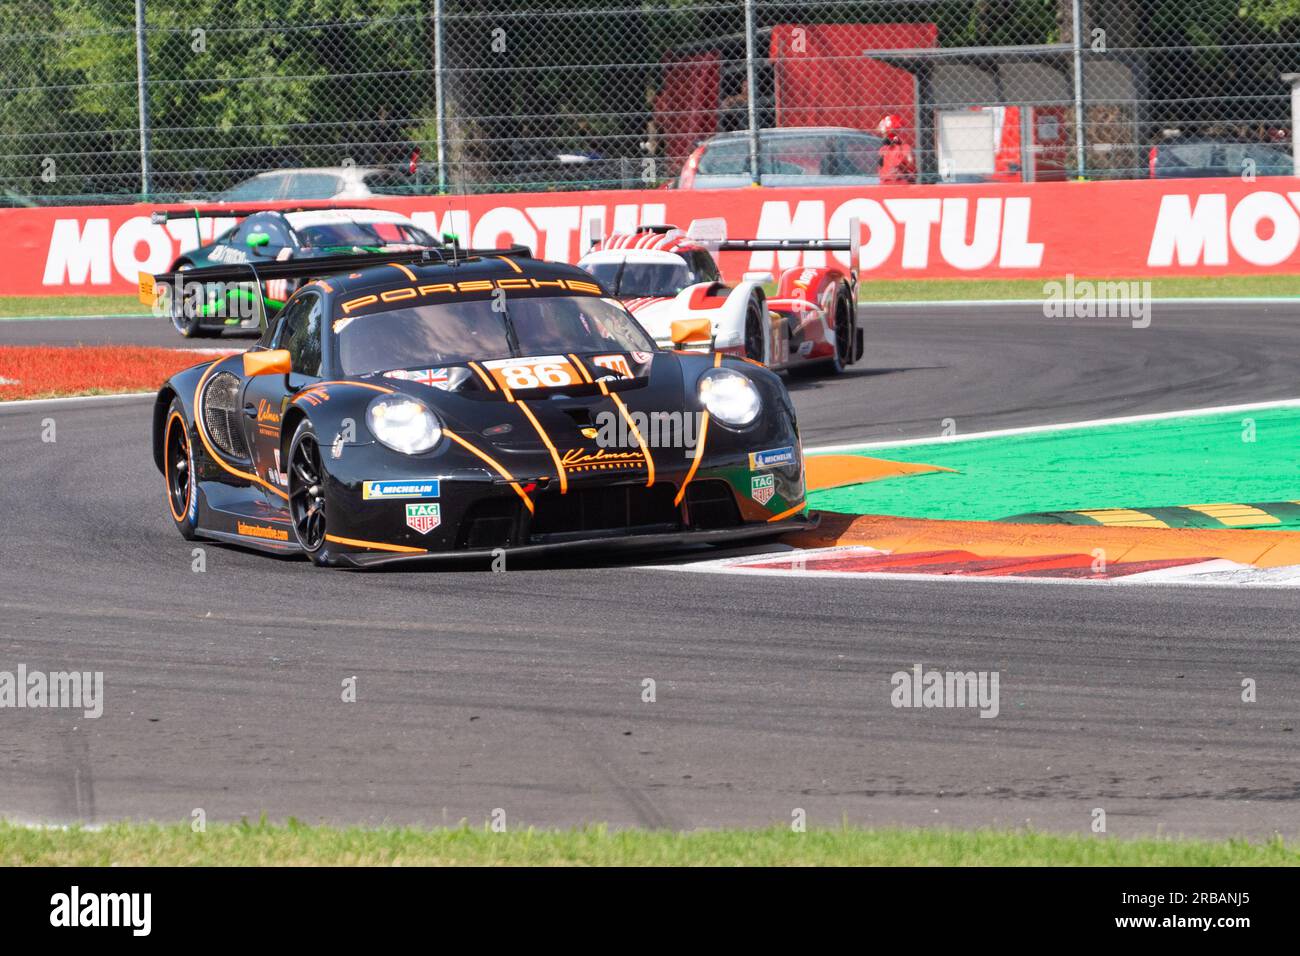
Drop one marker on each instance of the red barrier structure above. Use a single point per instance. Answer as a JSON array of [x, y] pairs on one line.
[[1138, 228]]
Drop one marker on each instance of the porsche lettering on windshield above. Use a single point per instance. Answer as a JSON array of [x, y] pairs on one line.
[[463, 330]]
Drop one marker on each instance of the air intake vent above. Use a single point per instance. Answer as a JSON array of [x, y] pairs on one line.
[[221, 414], [711, 504], [609, 509]]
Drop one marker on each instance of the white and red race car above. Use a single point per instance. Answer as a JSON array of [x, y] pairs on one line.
[[668, 278]]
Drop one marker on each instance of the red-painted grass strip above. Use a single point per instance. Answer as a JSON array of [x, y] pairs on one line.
[[41, 371]]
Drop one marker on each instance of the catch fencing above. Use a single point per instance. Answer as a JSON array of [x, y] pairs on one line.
[[110, 100]]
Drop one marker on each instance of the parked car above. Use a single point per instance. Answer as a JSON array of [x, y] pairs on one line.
[[1185, 157], [803, 156], [14, 200], [326, 182]]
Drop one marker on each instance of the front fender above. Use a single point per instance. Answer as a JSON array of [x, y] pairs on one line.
[[182, 385], [725, 308]]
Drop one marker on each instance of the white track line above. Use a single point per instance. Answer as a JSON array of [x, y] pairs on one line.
[[76, 399], [1216, 572], [1064, 426]]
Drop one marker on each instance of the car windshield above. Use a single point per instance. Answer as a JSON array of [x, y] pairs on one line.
[[452, 333], [258, 188], [1237, 158], [630, 280], [813, 154], [362, 234]]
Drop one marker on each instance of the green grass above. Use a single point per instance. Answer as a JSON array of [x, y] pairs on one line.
[[873, 290], [23, 306], [295, 844]]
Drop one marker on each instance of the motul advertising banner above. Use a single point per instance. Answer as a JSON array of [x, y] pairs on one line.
[[1126, 229]]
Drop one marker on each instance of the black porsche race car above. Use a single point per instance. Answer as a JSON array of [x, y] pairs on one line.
[[469, 404]]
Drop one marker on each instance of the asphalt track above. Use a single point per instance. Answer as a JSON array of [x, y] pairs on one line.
[[523, 691]]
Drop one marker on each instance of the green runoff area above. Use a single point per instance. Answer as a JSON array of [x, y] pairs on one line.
[[890, 290], [1250, 456], [295, 844]]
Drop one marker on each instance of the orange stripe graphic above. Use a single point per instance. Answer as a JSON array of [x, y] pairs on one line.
[[546, 440], [216, 456], [789, 511], [494, 464], [375, 545], [699, 455], [582, 369], [487, 379], [645, 449]]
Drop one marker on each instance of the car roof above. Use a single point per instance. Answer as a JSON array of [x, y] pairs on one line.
[[603, 256], [674, 241], [305, 218], [1185, 139], [401, 275], [347, 172], [780, 132]]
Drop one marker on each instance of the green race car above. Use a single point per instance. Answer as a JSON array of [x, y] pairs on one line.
[[260, 236]]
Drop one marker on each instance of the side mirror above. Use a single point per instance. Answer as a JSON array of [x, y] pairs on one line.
[[267, 362], [761, 277], [692, 330]]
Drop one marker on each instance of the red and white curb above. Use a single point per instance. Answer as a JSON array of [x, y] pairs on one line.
[[866, 563]]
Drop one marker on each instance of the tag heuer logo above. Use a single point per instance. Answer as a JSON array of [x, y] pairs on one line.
[[423, 518], [763, 487]]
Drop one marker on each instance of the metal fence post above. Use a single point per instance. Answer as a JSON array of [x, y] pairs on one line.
[[142, 96], [752, 92], [1293, 81], [1077, 29], [440, 116]]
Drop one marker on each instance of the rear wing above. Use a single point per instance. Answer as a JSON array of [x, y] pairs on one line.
[[712, 234], [152, 287], [321, 267]]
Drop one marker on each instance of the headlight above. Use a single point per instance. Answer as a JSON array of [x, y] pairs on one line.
[[404, 423], [729, 396]]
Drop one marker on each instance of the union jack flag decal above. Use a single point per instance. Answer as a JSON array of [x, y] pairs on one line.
[[436, 377]]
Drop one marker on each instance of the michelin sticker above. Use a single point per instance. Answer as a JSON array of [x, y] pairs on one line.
[[772, 458], [422, 488]]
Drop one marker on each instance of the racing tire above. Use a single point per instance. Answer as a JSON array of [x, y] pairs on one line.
[[755, 340], [178, 470], [843, 338], [308, 484], [845, 331], [189, 327]]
